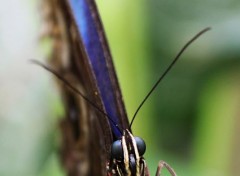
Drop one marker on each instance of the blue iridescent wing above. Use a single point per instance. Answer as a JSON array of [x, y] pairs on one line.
[[91, 31], [86, 63]]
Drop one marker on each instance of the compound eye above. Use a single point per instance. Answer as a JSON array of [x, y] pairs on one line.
[[117, 150], [140, 145]]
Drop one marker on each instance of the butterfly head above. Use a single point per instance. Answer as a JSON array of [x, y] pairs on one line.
[[127, 155]]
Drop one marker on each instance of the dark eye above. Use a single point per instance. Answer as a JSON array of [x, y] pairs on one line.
[[117, 150], [140, 145]]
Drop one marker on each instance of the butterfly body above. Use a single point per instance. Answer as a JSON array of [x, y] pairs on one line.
[[127, 156]]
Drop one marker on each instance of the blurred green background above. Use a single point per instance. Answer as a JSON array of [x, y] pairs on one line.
[[191, 121]]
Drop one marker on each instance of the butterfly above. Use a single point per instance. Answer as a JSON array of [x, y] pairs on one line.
[[97, 136]]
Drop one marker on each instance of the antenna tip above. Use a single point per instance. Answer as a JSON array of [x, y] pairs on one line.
[[206, 29], [33, 61]]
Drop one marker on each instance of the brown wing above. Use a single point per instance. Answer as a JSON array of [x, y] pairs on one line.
[[86, 132]]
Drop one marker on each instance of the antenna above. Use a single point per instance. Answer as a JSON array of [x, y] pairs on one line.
[[167, 70], [70, 86]]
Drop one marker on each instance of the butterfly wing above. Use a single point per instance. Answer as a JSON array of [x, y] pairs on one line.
[[91, 31], [81, 55]]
